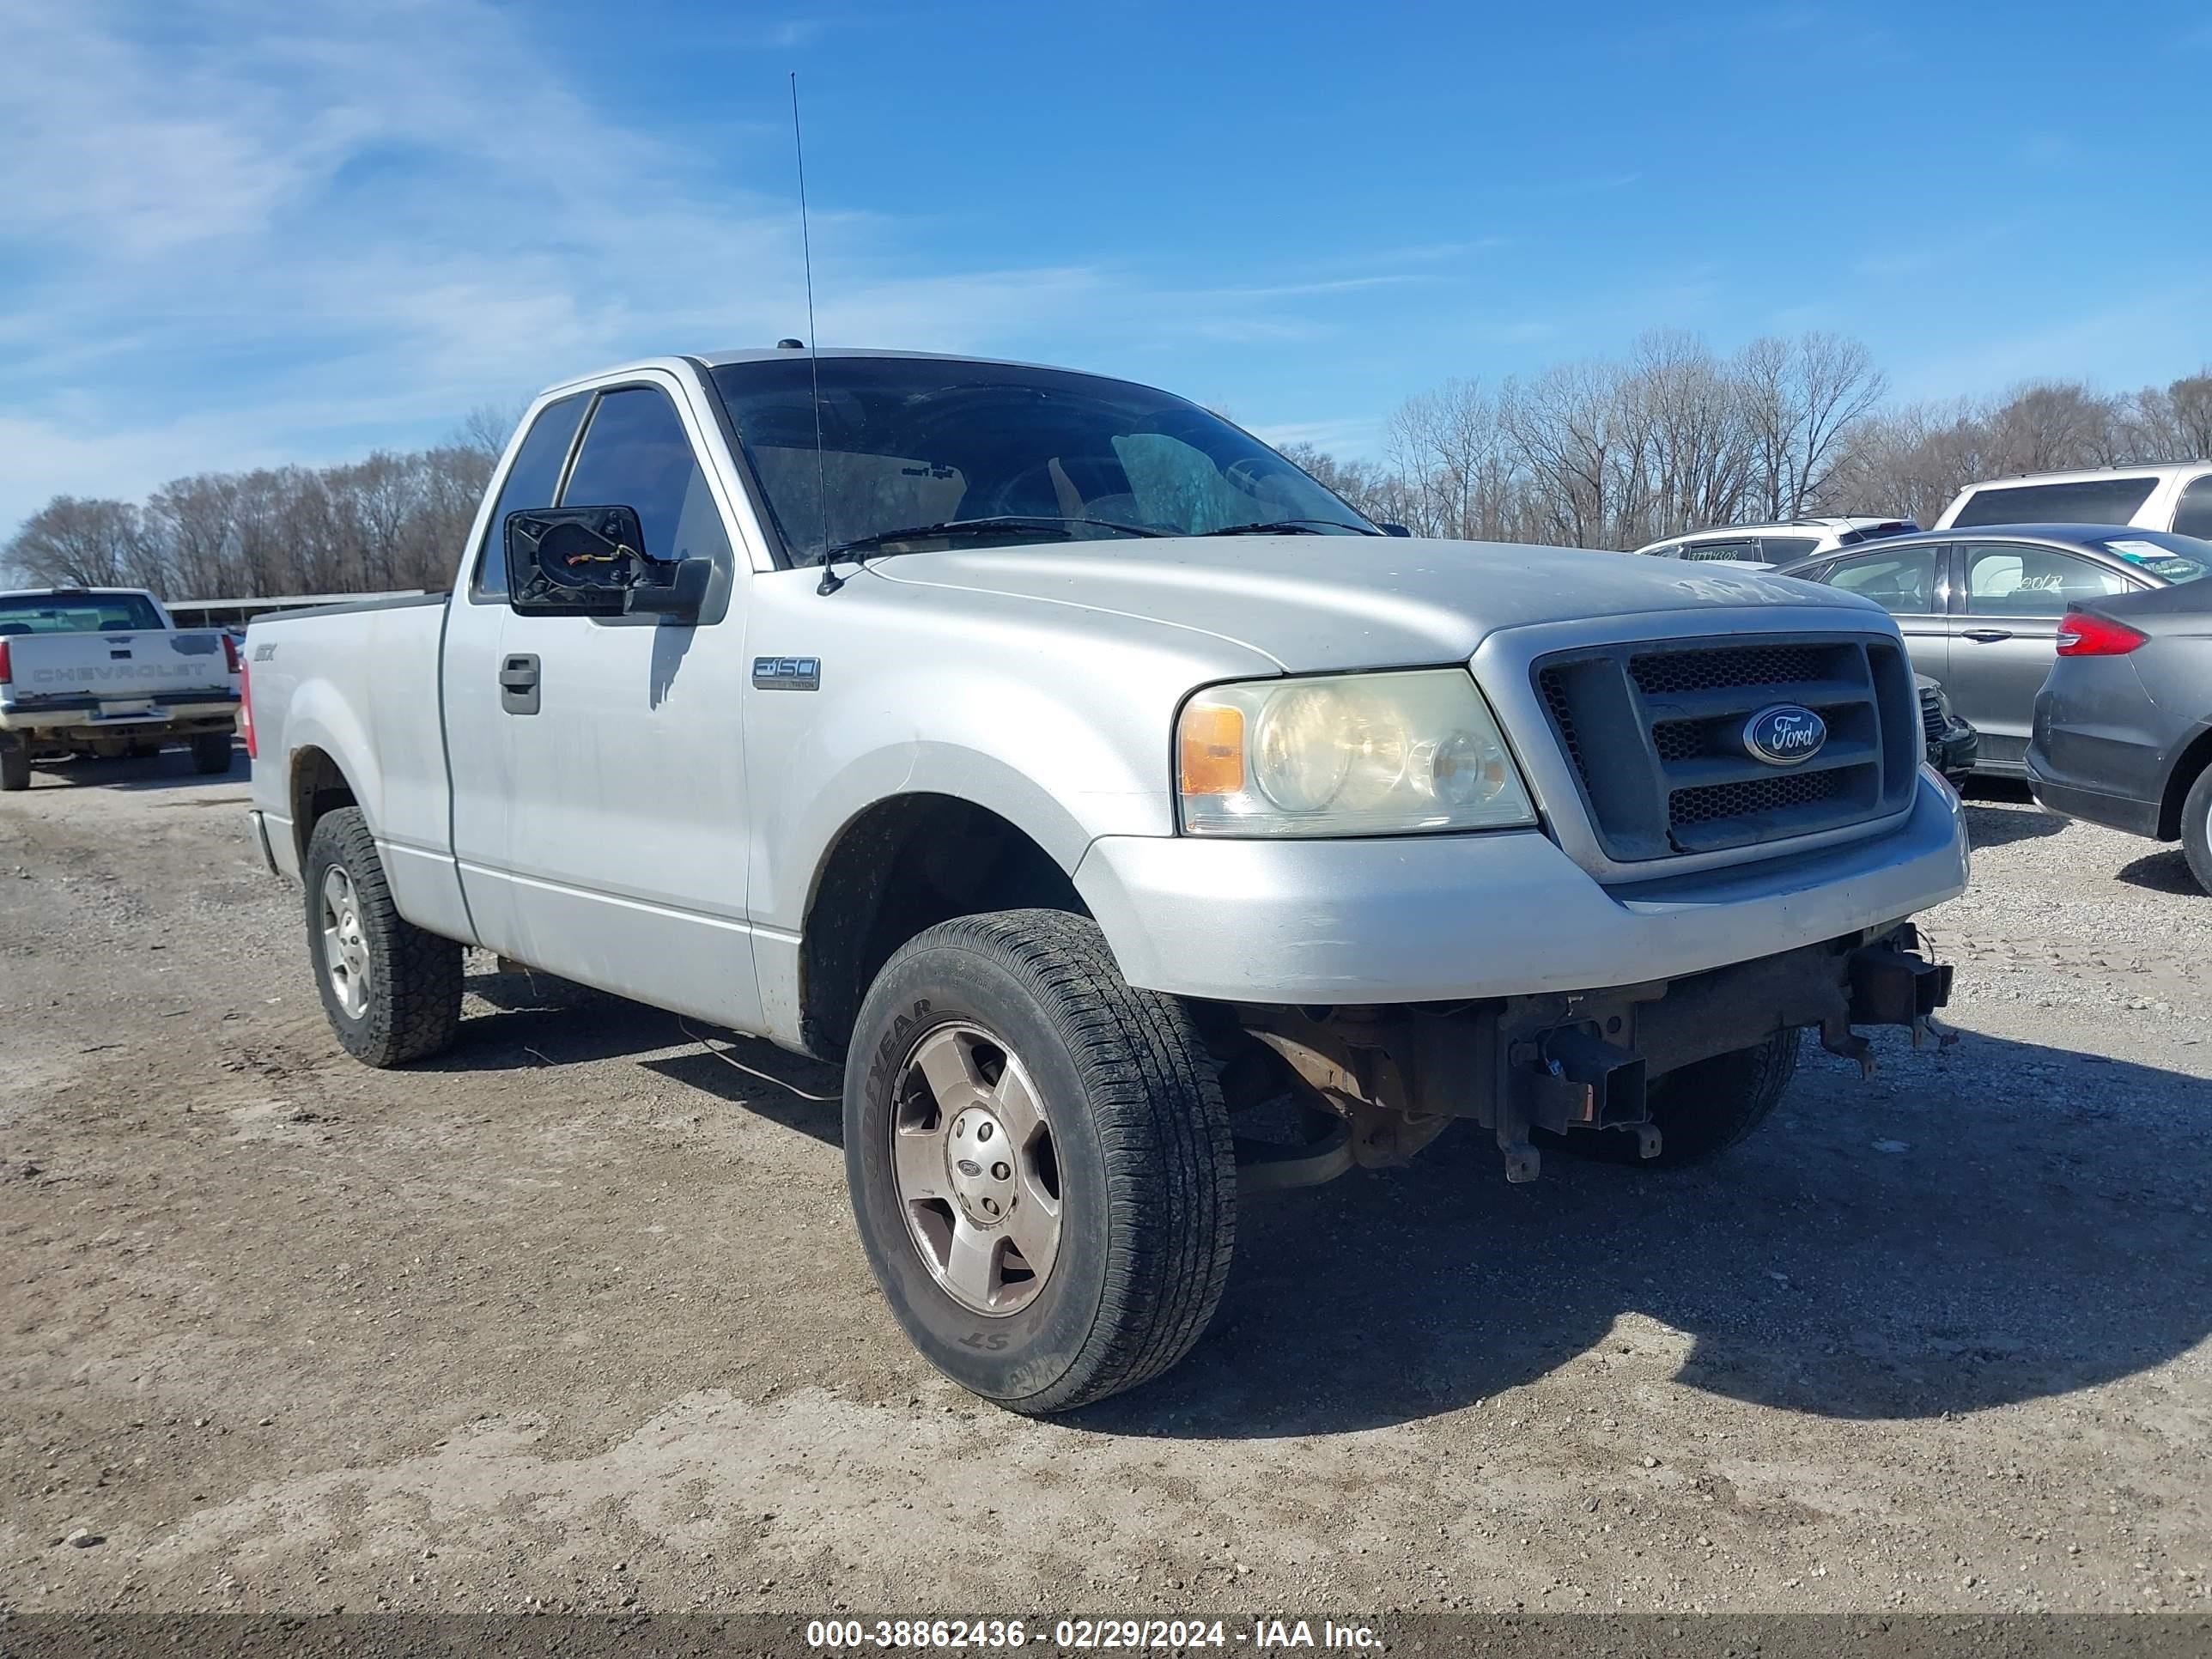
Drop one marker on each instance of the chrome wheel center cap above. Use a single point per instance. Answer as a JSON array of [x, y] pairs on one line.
[[979, 1162]]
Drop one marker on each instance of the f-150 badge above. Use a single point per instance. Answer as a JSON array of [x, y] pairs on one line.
[[787, 673]]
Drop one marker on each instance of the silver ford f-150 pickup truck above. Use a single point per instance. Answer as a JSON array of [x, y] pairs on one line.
[[1103, 791]]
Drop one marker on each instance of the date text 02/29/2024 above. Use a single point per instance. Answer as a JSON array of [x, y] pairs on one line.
[[1085, 1635]]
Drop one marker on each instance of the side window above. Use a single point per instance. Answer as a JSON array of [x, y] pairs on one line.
[[2193, 516], [1747, 549], [2080, 501], [530, 482], [1788, 550], [636, 453], [2014, 579], [1902, 583]]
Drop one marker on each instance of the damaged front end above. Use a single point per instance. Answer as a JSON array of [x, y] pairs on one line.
[[1378, 1084]]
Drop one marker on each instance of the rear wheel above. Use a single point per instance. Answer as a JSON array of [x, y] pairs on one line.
[[1701, 1108], [2196, 830], [1040, 1161], [392, 992], [212, 752], [15, 764]]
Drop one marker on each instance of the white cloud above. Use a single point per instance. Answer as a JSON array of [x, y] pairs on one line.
[[247, 230]]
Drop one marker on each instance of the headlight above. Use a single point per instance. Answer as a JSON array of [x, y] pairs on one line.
[[1346, 755]]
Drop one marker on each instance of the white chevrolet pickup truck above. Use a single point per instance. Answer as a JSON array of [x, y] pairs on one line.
[[1101, 791], [104, 672]]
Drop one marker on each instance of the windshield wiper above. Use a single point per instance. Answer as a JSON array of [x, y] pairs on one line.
[[1289, 527], [996, 524]]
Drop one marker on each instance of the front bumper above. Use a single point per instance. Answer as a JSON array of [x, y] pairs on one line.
[[1953, 754], [1441, 918]]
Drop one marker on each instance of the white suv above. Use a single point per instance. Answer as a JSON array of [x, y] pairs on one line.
[[1777, 544], [2175, 497]]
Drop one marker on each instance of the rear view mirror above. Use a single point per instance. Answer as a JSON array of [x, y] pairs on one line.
[[591, 562]]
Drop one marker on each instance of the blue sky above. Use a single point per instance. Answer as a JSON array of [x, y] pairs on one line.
[[234, 233]]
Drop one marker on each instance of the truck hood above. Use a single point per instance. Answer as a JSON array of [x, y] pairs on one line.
[[1314, 604]]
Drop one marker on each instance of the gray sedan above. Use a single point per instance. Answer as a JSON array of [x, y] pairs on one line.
[[2124, 726], [1980, 608]]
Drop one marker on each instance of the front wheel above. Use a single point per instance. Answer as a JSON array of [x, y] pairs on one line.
[[392, 992], [1040, 1161]]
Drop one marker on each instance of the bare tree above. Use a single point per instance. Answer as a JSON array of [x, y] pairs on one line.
[[1802, 399], [86, 541], [487, 427]]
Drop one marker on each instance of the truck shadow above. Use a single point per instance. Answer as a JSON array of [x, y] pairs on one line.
[[537, 1019], [2003, 1223], [170, 770]]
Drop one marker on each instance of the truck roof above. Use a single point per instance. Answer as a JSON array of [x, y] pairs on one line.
[[774, 353]]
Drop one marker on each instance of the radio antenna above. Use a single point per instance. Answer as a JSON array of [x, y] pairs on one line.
[[830, 583]]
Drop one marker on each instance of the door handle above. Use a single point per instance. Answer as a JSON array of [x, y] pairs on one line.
[[1987, 635], [517, 684]]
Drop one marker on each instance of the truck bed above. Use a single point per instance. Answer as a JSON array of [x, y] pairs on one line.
[[367, 672]]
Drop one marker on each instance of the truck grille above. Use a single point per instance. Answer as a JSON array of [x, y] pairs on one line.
[[1931, 714], [1655, 735]]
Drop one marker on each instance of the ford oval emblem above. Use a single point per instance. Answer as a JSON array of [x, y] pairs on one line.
[[1786, 734]]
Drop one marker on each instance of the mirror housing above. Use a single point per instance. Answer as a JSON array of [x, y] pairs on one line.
[[591, 562], [1395, 530]]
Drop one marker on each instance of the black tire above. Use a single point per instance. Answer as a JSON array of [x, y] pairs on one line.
[[212, 752], [15, 765], [414, 979], [1701, 1109], [2196, 829], [1145, 1169]]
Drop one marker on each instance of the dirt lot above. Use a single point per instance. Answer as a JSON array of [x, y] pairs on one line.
[[577, 1317]]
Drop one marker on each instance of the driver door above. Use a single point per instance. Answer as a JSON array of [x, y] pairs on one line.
[[625, 841]]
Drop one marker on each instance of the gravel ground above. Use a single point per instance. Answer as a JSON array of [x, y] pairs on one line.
[[575, 1316]]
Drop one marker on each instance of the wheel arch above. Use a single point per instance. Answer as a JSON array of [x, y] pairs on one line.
[[2179, 783], [901, 864], [316, 786]]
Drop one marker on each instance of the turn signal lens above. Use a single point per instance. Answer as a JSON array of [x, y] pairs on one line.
[[2084, 635], [7, 665], [1210, 752]]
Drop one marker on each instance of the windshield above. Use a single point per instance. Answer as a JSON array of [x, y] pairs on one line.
[[2169, 557], [77, 613], [916, 441]]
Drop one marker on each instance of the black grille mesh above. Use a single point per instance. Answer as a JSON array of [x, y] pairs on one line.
[[1656, 674], [1734, 800], [1679, 739], [1554, 686], [1931, 716]]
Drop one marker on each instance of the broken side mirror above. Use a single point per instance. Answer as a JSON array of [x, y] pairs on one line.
[[591, 562]]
